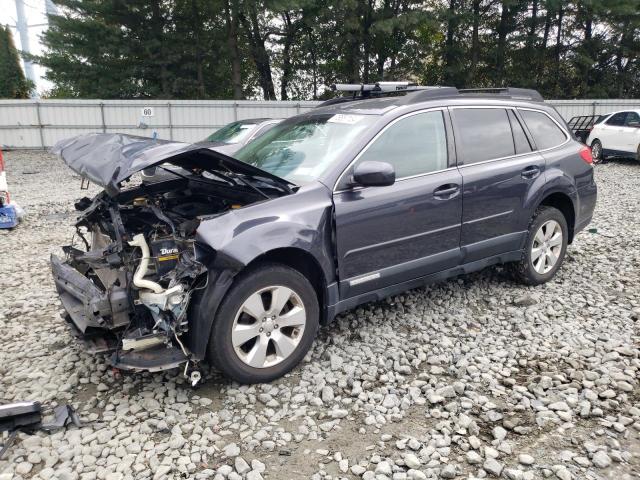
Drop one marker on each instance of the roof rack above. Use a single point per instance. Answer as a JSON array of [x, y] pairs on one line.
[[522, 93], [362, 91], [377, 88], [420, 93]]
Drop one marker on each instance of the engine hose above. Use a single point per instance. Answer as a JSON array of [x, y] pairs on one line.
[[141, 271]]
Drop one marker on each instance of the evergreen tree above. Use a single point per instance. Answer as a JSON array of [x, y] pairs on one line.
[[13, 83], [295, 49]]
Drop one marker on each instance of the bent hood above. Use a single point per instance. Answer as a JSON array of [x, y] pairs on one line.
[[107, 159]]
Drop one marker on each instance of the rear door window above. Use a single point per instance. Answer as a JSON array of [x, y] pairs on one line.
[[482, 134], [617, 119], [546, 133]]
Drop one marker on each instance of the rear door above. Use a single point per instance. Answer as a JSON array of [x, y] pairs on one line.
[[631, 133], [388, 235], [499, 170], [611, 132]]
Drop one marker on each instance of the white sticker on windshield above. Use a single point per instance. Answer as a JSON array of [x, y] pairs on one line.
[[346, 119]]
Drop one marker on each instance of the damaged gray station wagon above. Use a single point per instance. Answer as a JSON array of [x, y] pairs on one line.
[[239, 260]]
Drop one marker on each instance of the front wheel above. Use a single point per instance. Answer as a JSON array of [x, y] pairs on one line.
[[597, 152], [265, 325], [545, 247]]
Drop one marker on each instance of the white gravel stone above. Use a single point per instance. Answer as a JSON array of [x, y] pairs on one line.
[[526, 459], [492, 466], [411, 460], [231, 450], [601, 460], [241, 465], [473, 457]]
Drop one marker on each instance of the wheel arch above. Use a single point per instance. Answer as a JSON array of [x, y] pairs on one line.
[[206, 302], [564, 203], [302, 261]]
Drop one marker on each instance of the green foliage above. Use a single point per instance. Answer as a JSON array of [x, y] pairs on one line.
[[295, 49], [13, 83]]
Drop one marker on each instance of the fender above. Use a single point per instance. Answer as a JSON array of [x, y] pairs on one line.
[[239, 237], [558, 181], [554, 181]]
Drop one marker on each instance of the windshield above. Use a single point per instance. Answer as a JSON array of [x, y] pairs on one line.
[[302, 149], [235, 132]]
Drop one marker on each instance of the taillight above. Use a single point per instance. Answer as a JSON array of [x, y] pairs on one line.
[[585, 154]]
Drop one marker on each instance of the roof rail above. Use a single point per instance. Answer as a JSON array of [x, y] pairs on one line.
[[418, 93], [522, 93]]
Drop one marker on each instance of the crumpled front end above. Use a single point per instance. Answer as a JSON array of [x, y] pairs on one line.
[[128, 291], [127, 280]]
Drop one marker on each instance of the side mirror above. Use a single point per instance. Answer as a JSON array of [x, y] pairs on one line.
[[374, 174]]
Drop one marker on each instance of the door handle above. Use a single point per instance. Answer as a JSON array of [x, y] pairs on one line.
[[531, 171], [446, 191]]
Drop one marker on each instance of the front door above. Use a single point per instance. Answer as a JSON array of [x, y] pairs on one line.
[[388, 235]]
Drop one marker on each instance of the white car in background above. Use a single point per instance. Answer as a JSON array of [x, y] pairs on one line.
[[618, 135]]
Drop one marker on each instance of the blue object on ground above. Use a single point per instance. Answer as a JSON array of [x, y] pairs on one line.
[[8, 216]]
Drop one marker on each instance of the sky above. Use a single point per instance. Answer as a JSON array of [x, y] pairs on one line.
[[35, 13]]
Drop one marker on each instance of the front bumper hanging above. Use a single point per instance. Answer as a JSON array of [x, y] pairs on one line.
[[100, 319]]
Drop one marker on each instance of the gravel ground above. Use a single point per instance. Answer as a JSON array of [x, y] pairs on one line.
[[471, 378]]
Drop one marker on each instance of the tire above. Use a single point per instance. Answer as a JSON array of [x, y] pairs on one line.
[[264, 350], [530, 270], [596, 151]]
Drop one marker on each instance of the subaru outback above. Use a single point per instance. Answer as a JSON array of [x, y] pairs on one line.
[[239, 260]]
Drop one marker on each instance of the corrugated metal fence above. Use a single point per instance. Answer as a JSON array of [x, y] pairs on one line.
[[38, 124]]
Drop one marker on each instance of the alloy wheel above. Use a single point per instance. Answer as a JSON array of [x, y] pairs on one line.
[[268, 326], [546, 246]]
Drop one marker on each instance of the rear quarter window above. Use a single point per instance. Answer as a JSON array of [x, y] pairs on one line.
[[545, 131]]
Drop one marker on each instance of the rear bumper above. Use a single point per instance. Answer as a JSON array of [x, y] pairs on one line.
[[587, 197]]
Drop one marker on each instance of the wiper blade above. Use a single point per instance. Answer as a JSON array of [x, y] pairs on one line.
[[284, 186]]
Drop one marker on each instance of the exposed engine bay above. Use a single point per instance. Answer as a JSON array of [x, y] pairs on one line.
[[131, 270]]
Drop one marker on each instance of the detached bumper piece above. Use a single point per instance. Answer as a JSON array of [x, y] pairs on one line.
[[27, 417]]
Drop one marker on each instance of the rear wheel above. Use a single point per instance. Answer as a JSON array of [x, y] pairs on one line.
[[265, 325], [545, 247], [596, 151]]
